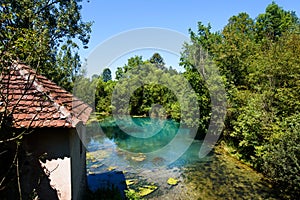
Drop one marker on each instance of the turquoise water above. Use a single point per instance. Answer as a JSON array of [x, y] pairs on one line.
[[144, 143], [150, 151]]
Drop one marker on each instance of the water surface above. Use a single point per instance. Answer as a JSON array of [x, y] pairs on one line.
[[150, 151]]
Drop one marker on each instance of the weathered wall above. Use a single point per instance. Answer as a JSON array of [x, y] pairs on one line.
[[48, 167], [60, 177], [78, 163], [53, 142], [59, 146]]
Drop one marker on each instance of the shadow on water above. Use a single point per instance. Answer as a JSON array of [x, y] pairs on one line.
[[113, 181]]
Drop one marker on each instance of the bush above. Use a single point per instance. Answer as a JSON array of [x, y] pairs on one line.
[[282, 158], [252, 128]]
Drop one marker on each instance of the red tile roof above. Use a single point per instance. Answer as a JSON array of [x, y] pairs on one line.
[[37, 102]]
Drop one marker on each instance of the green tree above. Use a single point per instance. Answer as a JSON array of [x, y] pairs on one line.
[[132, 63], [106, 75], [158, 88], [85, 88], [119, 73], [281, 160], [204, 37], [260, 61], [157, 60], [274, 22], [233, 53], [103, 96], [42, 33]]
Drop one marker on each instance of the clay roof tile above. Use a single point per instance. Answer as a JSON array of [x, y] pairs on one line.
[[38, 102]]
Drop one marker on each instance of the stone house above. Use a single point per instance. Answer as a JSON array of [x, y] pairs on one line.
[[55, 121]]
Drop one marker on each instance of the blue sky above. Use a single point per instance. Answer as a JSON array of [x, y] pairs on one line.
[[112, 17]]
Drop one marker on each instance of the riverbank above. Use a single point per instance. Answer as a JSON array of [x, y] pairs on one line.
[[225, 177]]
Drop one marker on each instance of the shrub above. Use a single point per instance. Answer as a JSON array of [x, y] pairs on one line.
[[282, 158]]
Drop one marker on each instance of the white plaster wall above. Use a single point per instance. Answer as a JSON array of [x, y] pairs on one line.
[[59, 171]]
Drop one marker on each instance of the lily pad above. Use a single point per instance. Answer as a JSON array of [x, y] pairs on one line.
[[110, 168], [139, 158], [172, 181], [91, 173], [98, 155], [89, 156], [129, 182], [146, 190], [95, 166]]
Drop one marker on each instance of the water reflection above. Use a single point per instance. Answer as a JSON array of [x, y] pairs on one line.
[[169, 143]]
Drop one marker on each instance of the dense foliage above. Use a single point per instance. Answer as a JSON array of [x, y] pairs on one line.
[[44, 34], [148, 88], [259, 59]]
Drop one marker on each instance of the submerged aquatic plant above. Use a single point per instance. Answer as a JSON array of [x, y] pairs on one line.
[[172, 181]]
